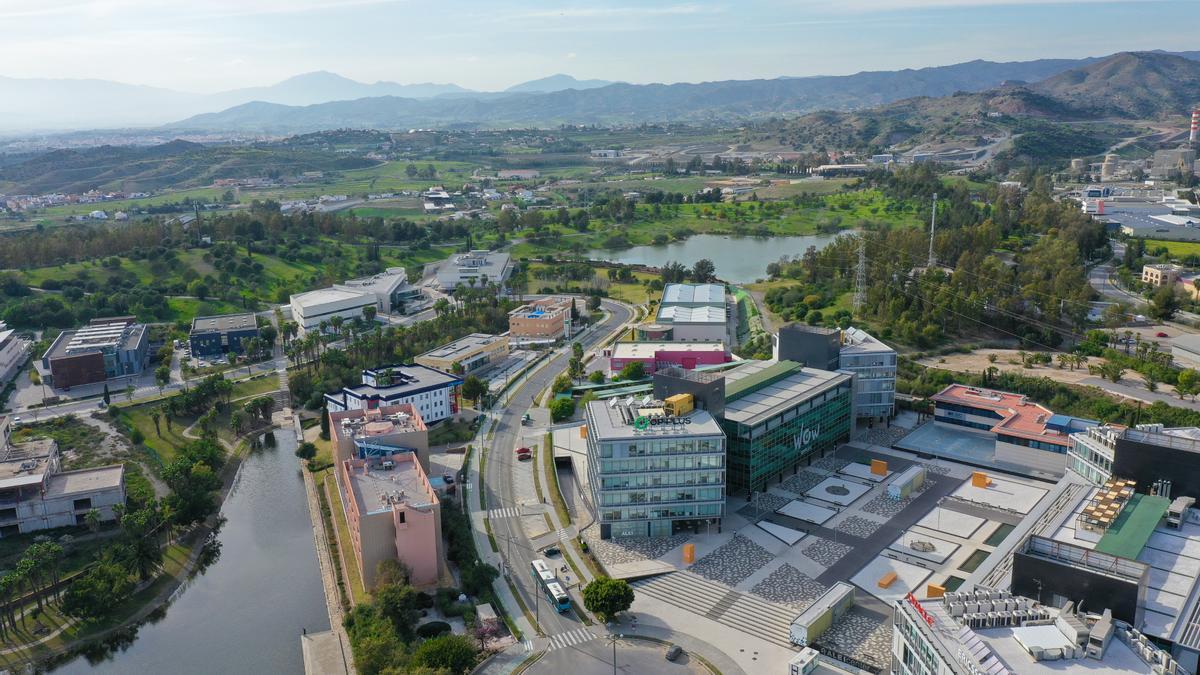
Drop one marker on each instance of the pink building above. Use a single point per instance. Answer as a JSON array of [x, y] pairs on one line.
[[378, 432], [394, 514], [655, 355]]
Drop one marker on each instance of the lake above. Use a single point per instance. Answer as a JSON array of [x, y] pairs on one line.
[[738, 260], [245, 612]]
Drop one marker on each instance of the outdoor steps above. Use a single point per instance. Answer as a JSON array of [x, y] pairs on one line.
[[741, 611]]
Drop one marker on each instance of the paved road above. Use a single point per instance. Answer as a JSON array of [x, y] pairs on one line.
[[498, 479]]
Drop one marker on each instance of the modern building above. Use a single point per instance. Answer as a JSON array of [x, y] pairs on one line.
[[853, 350], [656, 355], [473, 352], [780, 416], [435, 394], [695, 313], [544, 320], [1026, 433], [213, 335], [475, 268], [310, 309], [13, 352], [36, 494], [393, 294], [393, 513], [1159, 460], [103, 349], [953, 635], [1160, 274], [654, 474], [379, 432]]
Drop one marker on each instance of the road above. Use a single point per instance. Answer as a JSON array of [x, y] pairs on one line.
[[498, 477], [1102, 278]]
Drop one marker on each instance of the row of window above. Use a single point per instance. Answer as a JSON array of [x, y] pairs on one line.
[[665, 446], [814, 403], [663, 480], [662, 496], [968, 410], [1030, 443], [678, 511], [963, 423], [683, 463]]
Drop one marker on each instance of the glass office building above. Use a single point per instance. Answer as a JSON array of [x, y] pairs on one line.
[[654, 475], [780, 416]]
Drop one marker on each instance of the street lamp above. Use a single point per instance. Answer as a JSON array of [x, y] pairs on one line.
[[614, 638]]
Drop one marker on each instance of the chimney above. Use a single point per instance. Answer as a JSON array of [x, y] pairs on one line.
[[1195, 125]]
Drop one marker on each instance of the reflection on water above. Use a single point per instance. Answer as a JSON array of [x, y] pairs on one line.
[[738, 260]]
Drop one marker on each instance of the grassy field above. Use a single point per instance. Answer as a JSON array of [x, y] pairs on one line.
[[1175, 249]]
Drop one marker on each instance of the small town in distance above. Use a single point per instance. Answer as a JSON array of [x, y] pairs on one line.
[[816, 351]]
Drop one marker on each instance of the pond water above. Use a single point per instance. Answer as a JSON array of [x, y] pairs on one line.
[[244, 613], [738, 259]]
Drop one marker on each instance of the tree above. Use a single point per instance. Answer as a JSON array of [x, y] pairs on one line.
[[1151, 382], [562, 384], [400, 605], [607, 597], [1164, 303], [704, 271], [97, 592], [92, 519], [474, 388], [391, 571], [455, 653], [1187, 382], [155, 415], [162, 377], [238, 420], [634, 370], [306, 450], [596, 377], [107, 397], [485, 630], [561, 409]]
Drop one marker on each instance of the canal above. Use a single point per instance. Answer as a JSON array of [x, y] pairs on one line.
[[244, 613], [738, 260]]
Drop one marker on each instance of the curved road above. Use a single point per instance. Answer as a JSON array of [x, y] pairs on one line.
[[498, 477]]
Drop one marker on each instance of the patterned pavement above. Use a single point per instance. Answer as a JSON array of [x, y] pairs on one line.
[[861, 635], [632, 549], [734, 561], [858, 526], [802, 482], [825, 552], [789, 586]]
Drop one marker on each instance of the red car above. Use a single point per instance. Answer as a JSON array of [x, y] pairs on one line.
[[1161, 334], [524, 453]]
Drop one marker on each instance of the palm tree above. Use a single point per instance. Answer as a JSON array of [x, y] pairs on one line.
[[92, 520], [155, 415]]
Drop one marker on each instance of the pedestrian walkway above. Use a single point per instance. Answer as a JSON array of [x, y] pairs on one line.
[[506, 512], [570, 638], [739, 611]]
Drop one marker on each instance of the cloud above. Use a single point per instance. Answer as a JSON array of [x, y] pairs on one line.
[[20, 9], [901, 5], [582, 12], [571, 55]]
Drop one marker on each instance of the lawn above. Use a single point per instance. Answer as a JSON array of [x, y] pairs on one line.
[[450, 432], [1175, 249], [349, 564]]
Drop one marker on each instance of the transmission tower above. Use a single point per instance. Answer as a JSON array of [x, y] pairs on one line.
[[860, 276], [932, 229]]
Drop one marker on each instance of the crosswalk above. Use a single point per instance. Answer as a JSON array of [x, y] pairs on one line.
[[563, 534], [506, 512], [570, 638], [526, 646]]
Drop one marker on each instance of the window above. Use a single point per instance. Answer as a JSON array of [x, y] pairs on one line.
[[85, 503]]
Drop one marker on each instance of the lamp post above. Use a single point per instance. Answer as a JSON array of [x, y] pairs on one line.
[[614, 638]]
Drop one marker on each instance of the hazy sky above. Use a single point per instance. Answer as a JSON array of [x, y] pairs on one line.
[[210, 45]]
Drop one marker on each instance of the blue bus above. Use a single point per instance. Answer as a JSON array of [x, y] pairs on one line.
[[546, 579]]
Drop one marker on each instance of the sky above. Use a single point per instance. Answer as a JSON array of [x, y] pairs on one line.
[[214, 45]]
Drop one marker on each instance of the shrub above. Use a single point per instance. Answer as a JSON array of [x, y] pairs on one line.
[[433, 629]]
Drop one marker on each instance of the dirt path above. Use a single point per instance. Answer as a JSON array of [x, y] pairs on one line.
[[116, 446]]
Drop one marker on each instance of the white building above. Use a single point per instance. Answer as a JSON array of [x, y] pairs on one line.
[[13, 352], [695, 313], [432, 392], [311, 308], [391, 289], [474, 268], [874, 366], [36, 494]]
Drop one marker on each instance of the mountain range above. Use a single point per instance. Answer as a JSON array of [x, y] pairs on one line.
[[1128, 84]]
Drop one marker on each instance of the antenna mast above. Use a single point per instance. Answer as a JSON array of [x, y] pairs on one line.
[[932, 229], [860, 276]]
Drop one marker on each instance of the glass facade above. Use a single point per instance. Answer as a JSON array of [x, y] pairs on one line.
[[875, 387], [655, 485], [778, 445], [1091, 457]]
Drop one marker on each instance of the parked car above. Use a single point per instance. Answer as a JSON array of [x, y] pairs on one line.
[[524, 451], [674, 652], [552, 551], [524, 456], [526, 420], [1161, 334], [448, 477]]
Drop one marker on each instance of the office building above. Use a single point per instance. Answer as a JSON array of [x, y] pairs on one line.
[[658, 355], [379, 432], [1026, 434], [102, 350], [393, 294], [779, 416], [1160, 460], [870, 361], [434, 393], [473, 352], [476, 268], [36, 494], [953, 635], [215, 335], [311, 309], [543, 320], [694, 313], [13, 352], [654, 474], [1160, 274], [393, 513]]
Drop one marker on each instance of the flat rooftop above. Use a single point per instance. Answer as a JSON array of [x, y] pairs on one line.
[[326, 295], [376, 488], [465, 345], [98, 335], [758, 390], [392, 419], [694, 294], [676, 314], [224, 322], [383, 282], [859, 341], [406, 378], [609, 424], [646, 350], [26, 463], [83, 481], [1021, 417]]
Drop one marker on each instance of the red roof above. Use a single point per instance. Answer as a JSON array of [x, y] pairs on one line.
[[1021, 417]]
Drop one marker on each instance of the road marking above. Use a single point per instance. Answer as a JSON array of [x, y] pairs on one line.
[[570, 639], [527, 645], [506, 512], [563, 534]]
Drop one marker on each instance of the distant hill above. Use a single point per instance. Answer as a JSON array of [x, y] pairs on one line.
[[632, 103], [322, 86], [1129, 84], [557, 82]]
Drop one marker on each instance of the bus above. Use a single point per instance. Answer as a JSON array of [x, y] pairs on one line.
[[546, 579]]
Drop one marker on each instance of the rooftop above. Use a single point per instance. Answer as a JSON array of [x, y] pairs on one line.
[[1132, 529], [224, 322], [378, 485], [382, 421], [27, 463], [760, 389], [536, 308], [83, 481], [381, 283], [404, 378], [100, 334], [325, 295], [646, 350], [697, 294], [465, 345], [1021, 417], [615, 420], [674, 314], [857, 340]]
